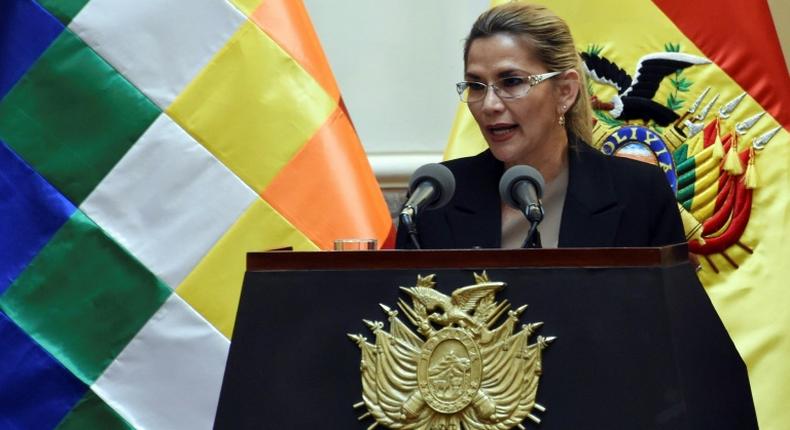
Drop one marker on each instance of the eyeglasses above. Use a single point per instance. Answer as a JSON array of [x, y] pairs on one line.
[[508, 88]]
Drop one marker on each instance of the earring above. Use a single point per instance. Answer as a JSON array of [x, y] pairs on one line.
[[561, 121]]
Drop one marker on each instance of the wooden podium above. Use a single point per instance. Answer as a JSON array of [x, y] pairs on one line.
[[638, 343]]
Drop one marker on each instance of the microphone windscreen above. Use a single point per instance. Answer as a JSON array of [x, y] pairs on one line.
[[440, 177], [516, 174]]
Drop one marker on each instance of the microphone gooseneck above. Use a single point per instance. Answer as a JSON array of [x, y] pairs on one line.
[[430, 187], [521, 187]]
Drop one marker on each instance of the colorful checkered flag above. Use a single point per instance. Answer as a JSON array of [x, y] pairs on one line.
[[145, 148]]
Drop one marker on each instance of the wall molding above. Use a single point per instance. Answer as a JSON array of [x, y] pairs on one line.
[[393, 170]]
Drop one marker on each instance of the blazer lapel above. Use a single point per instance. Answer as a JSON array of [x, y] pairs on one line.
[[591, 212], [476, 220]]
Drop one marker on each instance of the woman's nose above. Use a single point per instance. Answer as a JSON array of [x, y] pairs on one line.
[[491, 101]]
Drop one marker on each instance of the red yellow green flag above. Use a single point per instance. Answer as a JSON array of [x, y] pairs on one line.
[[721, 113]]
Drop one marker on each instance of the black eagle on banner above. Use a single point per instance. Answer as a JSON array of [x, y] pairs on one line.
[[634, 99]]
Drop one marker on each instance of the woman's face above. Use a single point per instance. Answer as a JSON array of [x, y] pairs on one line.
[[520, 130]]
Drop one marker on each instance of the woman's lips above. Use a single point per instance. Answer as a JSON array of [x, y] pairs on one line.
[[501, 132]]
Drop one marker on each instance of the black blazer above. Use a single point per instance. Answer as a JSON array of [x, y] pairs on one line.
[[610, 202]]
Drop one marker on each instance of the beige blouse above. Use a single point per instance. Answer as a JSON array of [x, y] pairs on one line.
[[515, 225]]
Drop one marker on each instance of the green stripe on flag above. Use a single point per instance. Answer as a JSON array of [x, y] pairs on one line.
[[686, 196], [687, 165], [83, 298], [687, 175], [681, 154], [91, 413], [64, 10], [72, 116], [687, 179]]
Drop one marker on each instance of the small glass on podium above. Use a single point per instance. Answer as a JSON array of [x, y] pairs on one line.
[[355, 244]]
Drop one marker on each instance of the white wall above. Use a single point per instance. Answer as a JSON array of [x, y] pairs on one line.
[[396, 63]]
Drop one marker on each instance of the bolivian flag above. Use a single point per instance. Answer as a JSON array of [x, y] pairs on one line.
[[729, 136], [145, 147]]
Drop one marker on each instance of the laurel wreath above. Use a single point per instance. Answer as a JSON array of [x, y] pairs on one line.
[[679, 82]]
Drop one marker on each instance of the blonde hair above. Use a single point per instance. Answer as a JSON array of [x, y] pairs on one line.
[[553, 45]]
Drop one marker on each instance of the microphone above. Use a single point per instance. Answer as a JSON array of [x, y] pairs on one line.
[[430, 187], [521, 187]]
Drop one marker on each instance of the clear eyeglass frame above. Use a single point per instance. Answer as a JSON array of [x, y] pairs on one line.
[[503, 93]]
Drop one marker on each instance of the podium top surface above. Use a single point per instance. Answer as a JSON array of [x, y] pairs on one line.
[[463, 258]]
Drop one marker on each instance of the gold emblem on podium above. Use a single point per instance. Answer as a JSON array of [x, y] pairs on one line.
[[458, 371]]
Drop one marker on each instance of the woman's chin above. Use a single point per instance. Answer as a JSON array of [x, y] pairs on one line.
[[504, 153]]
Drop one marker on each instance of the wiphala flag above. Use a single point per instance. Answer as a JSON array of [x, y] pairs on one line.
[[145, 147]]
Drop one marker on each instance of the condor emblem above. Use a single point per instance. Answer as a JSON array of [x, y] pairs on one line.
[[458, 371]]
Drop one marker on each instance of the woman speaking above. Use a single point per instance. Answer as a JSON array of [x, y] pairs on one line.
[[525, 87]]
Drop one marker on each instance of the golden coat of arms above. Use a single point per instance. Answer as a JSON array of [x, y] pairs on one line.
[[458, 371]]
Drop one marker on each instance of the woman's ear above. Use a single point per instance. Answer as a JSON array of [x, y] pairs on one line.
[[568, 86]]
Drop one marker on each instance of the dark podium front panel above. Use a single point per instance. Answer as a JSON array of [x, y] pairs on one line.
[[638, 343]]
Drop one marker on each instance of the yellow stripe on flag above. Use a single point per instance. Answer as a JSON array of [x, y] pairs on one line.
[[253, 106], [706, 186], [704, 200], [247, 6], [214, 286]]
